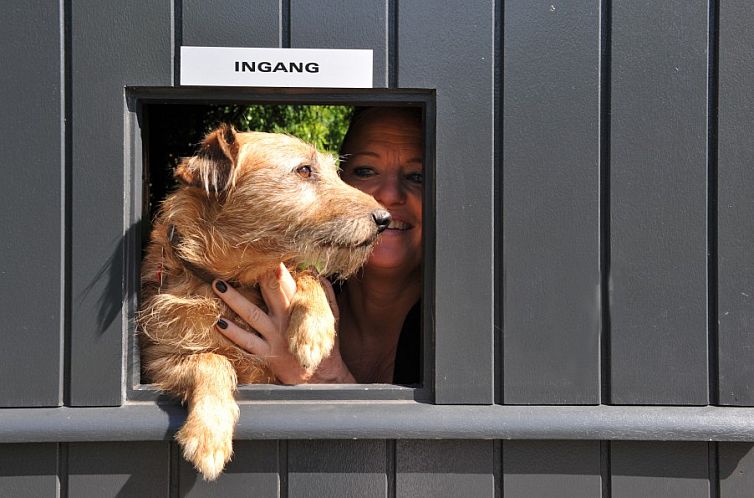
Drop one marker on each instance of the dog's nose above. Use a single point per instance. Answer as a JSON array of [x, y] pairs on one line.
[[382, 218]]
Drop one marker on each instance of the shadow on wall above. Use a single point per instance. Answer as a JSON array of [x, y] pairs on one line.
[[255, 469], [117, 281]]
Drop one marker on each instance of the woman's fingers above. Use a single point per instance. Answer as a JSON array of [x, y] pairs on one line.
[[278, 288], [287, 283], [248, 311], [243, 338], [331, 299]]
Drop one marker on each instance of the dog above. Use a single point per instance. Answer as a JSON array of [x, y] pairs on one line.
[[245, 202]]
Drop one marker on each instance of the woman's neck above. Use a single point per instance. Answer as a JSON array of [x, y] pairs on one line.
[[373, 308], [377, 297]]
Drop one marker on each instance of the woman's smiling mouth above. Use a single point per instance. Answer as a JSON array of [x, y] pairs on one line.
[[397, 224]]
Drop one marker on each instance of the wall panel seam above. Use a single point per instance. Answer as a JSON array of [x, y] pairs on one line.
[[497, 467], [713, 466], [285, 24], [605, 469], [177, 36], [497, 199], [604, 206], [282, 446], [62, 470], [174, 456], [392, 43], [712, 196], [390, 456], [67, 200]]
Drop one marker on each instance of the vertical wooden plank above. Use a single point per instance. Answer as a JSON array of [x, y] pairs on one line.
[[113, 45], [28, 470], [344, 24], [735, 184], [252, 472], [31, 246], [235, 23], [450, 46], [736, 467], [551, 469], [662, 470], [658, 190], [101, 470], [551, 226], [337, 468], [436, 469]]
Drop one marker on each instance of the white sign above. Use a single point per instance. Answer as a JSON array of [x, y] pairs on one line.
[[297, 67]]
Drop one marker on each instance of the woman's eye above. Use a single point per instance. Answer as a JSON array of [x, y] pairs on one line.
[[415, 177], [363, 172], [304, 171]]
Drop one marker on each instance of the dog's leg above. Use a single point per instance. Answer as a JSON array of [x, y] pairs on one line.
[[311, 332], [207, 381]]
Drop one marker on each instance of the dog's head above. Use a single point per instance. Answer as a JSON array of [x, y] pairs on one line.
[[261, 198]]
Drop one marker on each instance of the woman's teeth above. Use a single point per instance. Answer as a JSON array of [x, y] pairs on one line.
[[398, 225]]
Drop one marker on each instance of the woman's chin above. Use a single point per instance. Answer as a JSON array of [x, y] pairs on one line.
[[382, 263], [392, 252]]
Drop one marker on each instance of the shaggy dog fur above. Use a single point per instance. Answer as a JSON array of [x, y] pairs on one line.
[[248, 201]]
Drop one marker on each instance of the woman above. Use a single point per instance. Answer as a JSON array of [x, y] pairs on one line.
[[377, 310]]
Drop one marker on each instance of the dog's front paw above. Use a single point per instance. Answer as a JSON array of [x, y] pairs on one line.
[[207, 437], [312, 338], [311, 330]]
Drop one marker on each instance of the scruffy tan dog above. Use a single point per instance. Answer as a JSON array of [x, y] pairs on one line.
[[248, 201]]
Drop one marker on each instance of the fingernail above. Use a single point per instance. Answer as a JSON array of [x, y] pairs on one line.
[[220, 285], [222, 324]]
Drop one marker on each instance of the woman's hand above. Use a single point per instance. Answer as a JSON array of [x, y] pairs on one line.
[[278, 288]]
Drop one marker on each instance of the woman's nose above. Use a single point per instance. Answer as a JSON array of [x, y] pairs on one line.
[[390, 191]]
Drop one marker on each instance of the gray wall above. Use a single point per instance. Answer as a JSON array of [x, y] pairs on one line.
[[593, 237]]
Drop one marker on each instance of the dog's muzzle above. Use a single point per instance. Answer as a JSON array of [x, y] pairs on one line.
[[382, 218]]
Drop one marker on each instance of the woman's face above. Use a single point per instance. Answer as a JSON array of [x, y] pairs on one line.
[[383, 157]]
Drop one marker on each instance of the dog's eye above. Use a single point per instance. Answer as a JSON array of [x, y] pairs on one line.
[[304, 171]]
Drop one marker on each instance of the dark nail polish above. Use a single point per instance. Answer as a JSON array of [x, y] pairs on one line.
[[222, 324], [220, 285]]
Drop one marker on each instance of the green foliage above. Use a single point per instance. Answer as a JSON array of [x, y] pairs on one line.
[[321, 125]]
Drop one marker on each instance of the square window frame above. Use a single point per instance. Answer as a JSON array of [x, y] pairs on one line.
[[138, 98]]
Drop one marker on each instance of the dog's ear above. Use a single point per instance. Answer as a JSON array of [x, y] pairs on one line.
[[212, 166]]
